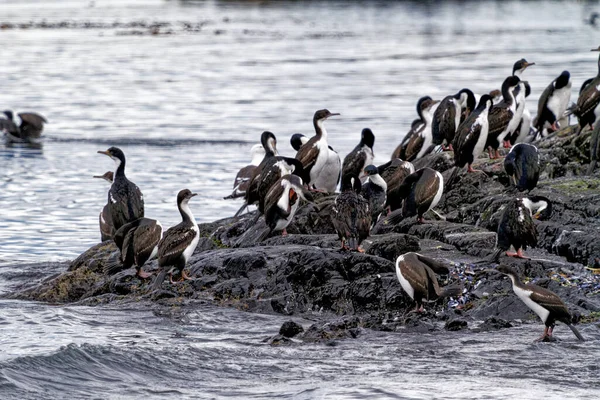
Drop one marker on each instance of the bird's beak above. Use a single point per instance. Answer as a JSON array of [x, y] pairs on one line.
[[292, 194], [193, 194], [598, 49], [528, 64], [332, 114], [537, 215], [105, 152], [97, 176]]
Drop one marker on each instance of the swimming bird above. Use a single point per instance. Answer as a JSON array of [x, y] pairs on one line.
[[545, 303], [351, 214], [178, 242], [553, 103], [594, 149], [416, 274], [421, 191], [138, 242], [374, 190], [394, 175], [361, 156], [447, 116], [516, 227], [504, 117], [323, 165], [522, 164], [472, 135], [242, 179], [125, 200], [27, 129], [106, 226], [587, 109]]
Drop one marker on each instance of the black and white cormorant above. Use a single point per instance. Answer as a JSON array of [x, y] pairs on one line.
[[106, 226], [375, 191], [447, 117], [523, 132], [242, 179], [420, 192], [178, 242], [138, 243], [272, 173], [125, 200], [522, 164], [298, 140], [351, 214], [417, 276], [516, 227], [505, 116], [553, 104], [400, 150], [323, 165], [472, 135], [420, 140], [594, 149], [27, 129], [394, 176], [587, 109], [361, 156], [282, 200], [545, 303]]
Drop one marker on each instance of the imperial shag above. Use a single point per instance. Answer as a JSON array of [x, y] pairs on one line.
[[321, 163], [179, 242], [420, 192], [504, 117], [522, 164], [447, 117], [416, 274], [553, 104], [106, 227], [351, 215], [242, 179], [138, 243], [587, 109], [125, 200], [545, 303], [361, 156]]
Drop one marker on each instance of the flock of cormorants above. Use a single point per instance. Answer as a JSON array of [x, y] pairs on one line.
[[369, 194]]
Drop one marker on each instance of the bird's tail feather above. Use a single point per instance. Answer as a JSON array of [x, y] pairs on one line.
[[451, 291], [394, 218], [159, 279], [576, 332], [452, 178], [113, 264], [241, 209]]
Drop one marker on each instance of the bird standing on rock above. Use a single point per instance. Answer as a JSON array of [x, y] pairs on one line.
[[522, 164], [447, 116], [587, 109], [545, 303], [374, 190], [416, 274], [125, 200], [281, 202], [242, 179], [516, 227], [416, 139], [553, 104], [420, 192], [351, 214], [179, 242], [361, 156], [524, 126], [106, 226], [504, 117], [321, 163], [394, 173]]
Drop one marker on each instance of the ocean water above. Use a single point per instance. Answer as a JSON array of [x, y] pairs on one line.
[[186, 104]]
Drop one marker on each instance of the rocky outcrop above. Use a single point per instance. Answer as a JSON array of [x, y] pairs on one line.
[[307, 274]]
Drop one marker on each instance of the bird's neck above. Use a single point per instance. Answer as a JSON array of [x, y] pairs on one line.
[[120, 170], [186, 213], [320, 128], [378, 180], [507, 95]]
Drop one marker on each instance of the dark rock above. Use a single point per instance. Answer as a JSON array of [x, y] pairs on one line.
[[391, 245], [455, 325], [493, 324], [290, 329], [346, 328]]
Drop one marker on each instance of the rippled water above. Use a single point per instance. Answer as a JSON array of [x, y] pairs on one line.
[[186, 108]]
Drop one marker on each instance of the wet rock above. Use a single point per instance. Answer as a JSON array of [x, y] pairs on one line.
[[455, 324], [493, 324], [346, 328], [290, 329], [391, 245]]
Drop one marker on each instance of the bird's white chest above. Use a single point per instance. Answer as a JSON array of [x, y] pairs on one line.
[[403, 282], [557, 103], [525, 296], [440, 190], [187, 253], [482, 121]]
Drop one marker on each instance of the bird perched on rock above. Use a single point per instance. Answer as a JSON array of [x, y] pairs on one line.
[[178, 242], [472, 135], [505, 116], [351, 215], [587, 109], [545, 303], [394, 173], [447, 116], [524, 126], [242, 179], [420, 192], [321, 163], [361, 156], [522, 164], [125, 200], [400, 150], [416, 274], [106, 226], [553, 104], [138, 242], [516, 227], [374, 190], [27, 129], [413, 146], [282, 202]]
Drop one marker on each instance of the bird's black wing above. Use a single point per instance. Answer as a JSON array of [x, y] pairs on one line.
[[173, 243]]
